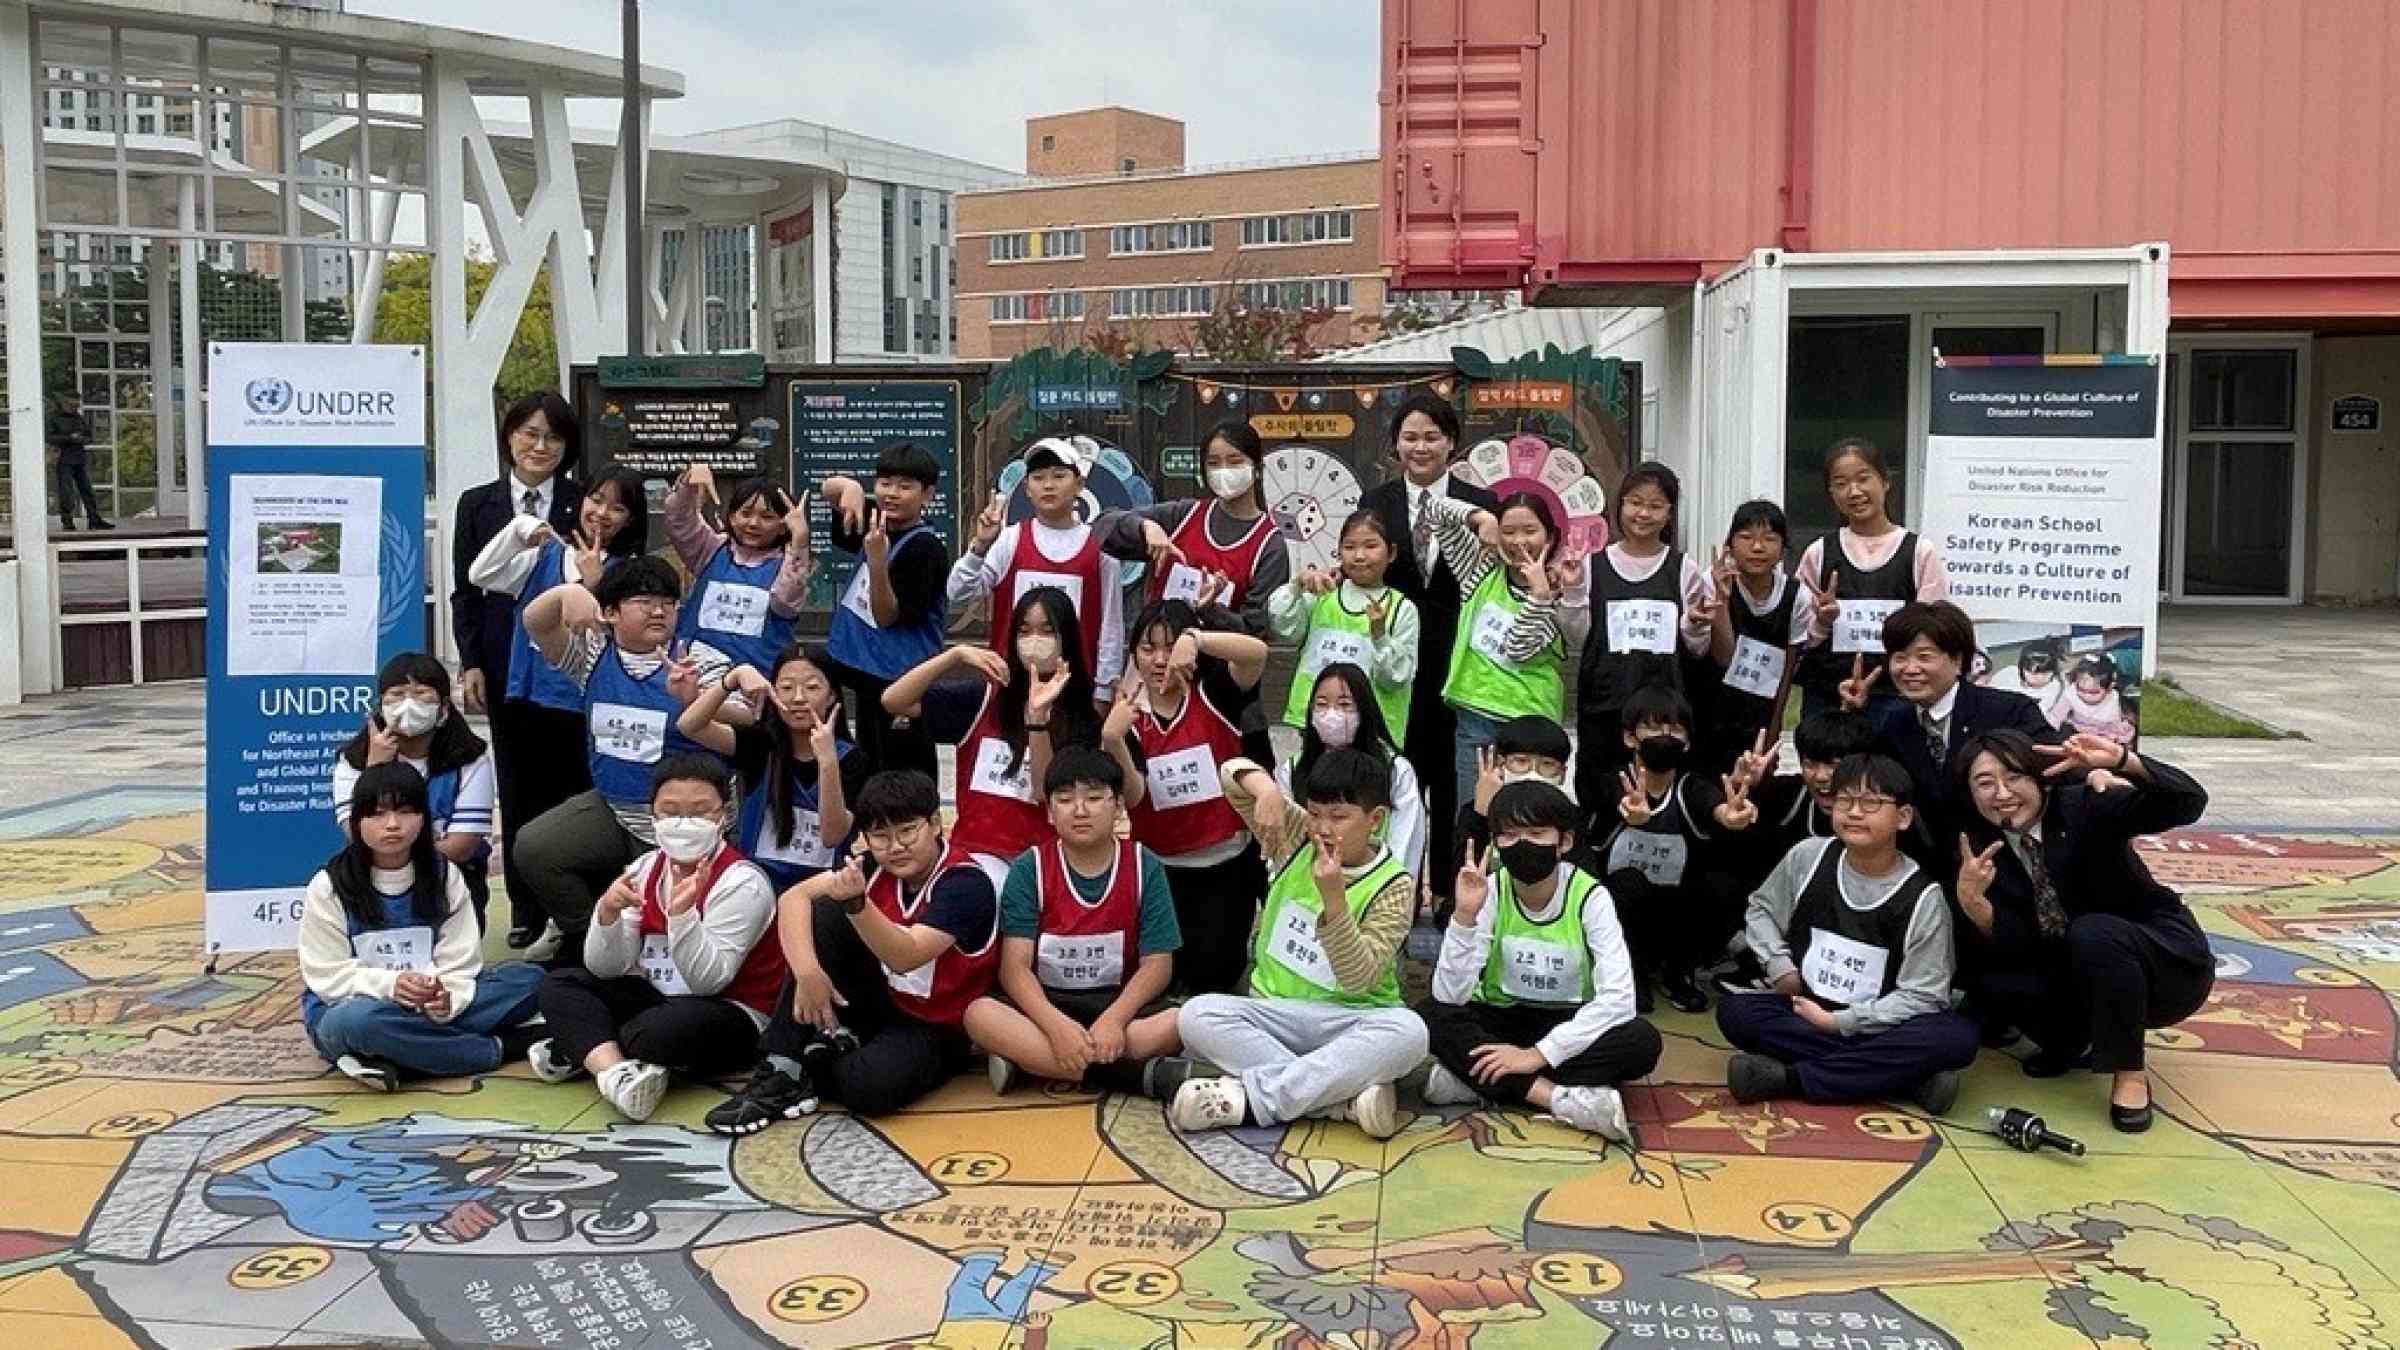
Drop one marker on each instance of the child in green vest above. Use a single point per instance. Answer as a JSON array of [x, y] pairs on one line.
[[1533, 994], [1349, 615], [1523, 609], [1323, 1031]]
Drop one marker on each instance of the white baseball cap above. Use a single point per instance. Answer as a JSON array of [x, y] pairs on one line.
[[1058, 452]]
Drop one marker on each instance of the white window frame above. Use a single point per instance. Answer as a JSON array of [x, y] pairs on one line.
[[2180, 436], [1349, 236], [1139, 229]]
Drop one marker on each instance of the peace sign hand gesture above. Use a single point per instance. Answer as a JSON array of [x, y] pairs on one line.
[[1122, 710], [1213, 585], [1537, 576], [1756, 763], [589, 563], [1723, 572], [876, 546], [1737, 811], [1471, 888], [1827, 602], [1567, 572], [1633, 807], [987, 524], [1974, 885], [1045, 691], [383, 743], [1487, 778], [1862, 681], [795, 520], [703, 478], [1379, 613], [683, 674], [2082, 753]]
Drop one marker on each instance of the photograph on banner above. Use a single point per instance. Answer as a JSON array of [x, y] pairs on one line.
[[304, 601], [2085, 677]]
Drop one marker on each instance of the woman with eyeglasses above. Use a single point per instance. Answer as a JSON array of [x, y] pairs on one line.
[[2067, 935]]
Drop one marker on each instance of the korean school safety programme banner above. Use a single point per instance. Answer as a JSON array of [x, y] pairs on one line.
[[2042, 491], [316, 575]]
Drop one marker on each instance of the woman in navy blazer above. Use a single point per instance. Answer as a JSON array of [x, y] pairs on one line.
[[541, 445], [2109, 952]]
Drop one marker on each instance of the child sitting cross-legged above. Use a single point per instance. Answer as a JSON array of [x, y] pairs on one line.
[[1856, 944], [1533, 994], [1087, 945]]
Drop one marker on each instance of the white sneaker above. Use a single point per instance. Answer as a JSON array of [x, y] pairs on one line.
[[1375, 1110], [1208, 1104], [1597, 1110], [542, 1058], [1002, 1071], [367, 1072], [1444, 1088], [545, 946], [633, 1087]]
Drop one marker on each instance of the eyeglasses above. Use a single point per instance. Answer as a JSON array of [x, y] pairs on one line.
[[1861, 806], [904, 836], [653, 603], [549, 439]]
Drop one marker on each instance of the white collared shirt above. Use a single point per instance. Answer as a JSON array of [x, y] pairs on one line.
[[543, 496], [1439, 490], [1941, 708]]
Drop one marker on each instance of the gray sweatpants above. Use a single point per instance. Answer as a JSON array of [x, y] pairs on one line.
[[1296, 1057]]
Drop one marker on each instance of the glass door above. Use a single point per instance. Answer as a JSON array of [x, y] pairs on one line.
[[2237, 465]]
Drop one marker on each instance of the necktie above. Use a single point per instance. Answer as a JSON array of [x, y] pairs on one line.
[[530, 504], [1937, 741], [1424, 530], [2048, 914]]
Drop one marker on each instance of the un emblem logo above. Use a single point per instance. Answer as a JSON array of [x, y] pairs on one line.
[[268, 396]]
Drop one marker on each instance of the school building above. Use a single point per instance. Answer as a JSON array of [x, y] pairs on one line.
[[1783, 208], [1115, 238]]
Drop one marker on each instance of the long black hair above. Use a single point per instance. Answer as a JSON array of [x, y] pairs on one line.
[[1373, 732], [1081, 724], [454, 745], [634, 537], [388, 787], [783, 766], [562, 420], [1244, 437]]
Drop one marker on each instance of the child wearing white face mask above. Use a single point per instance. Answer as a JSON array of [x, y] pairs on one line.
[[680, 965], [417, 724], [1343, 714]]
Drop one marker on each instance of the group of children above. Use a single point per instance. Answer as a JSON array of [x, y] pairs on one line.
[[1134, 893]]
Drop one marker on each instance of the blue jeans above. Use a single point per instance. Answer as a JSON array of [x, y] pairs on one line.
[[1475, 731], [467, 1043]]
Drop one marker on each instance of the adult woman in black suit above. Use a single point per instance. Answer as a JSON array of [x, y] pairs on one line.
[[541, 449], [2067, 934], [1424, 438]]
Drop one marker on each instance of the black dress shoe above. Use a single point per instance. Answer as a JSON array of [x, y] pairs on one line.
[[1683, 991], [2055, 1063], [2129, 1119], [523, 935], [1643, 1001]]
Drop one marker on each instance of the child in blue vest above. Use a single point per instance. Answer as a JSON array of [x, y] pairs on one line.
[[391, 954], [416, 724], [1087, 945], [799, 772], [1533, 995], [748, 581], [610, 642], [1855, 940], [891, 613]]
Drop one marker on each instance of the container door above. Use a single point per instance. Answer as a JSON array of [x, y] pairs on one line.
[[1742, 347], [1460, 144]]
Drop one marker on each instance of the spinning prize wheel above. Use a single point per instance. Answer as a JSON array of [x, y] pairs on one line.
[[1310, 494], [1528, 463]]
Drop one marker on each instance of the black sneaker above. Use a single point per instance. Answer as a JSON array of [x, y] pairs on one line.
[[1165, 1076], [523, 933], [1755, 1078], [770, 1095], [1683, 991]]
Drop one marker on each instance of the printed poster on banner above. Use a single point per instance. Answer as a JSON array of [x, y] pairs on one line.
[[316, 577], [2042, 492]]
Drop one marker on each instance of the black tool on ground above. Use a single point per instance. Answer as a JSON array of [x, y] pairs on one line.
[[2024, 1131]]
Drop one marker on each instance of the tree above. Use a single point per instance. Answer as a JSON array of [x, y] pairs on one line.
[[406, 315], [1239, 331]]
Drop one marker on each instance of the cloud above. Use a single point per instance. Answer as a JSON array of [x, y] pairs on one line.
[[1250, 79]]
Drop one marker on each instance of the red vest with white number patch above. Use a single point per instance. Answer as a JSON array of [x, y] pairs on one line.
[[1183, 808]]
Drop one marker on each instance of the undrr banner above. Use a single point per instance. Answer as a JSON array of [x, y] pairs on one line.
[[2042, 491], [316, 576]]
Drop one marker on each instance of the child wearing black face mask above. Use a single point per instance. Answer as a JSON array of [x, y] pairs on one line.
[[1669, 863], [1533, 997]]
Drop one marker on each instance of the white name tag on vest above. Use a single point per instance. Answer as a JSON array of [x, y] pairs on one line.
[[1333, 646], [1756, 668], [856, 599], [806, 848], [1540, 972], [731, 607], [1859, 625], [918, 982], [1641, 626], [1183, 583], [1490, 632], [622, 731], [1030, 580], [1842, 969], [1294, 947], [1659, 857], [1080, 961], [659, 968], [991, 774], [395, 949], [1183, 778]]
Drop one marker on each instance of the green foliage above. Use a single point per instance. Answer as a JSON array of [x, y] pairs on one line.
[[405, 314], [2168, 711]]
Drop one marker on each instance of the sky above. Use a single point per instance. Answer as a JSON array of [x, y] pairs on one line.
[[1250, 79]]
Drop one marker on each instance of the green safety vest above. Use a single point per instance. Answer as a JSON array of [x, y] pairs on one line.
[[1539, 963], [1287, 961], [1480, 680], [1336, 635]]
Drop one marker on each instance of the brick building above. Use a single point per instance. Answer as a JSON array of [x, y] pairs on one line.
[[1119, 235]]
